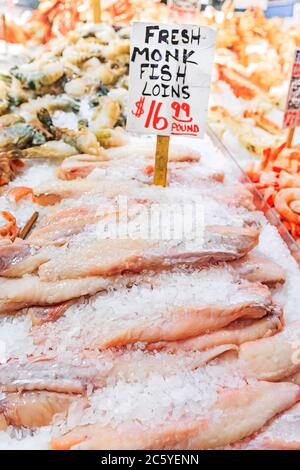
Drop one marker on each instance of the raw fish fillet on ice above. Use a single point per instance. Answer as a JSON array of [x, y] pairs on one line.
[[41, 315], [233, 415], [80, 166], [282, 433], [258, 268], [52, 192], [39, 388], [96, 370], [29, 290], [63, 225], [103, 256], [32, 409], [172, 306], [177, 152], [238, 332], [20, 257], [276, 358], [107, 257], [48, 374], [212, 182]]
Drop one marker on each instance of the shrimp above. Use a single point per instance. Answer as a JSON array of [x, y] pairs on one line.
[[18, 193], [10, 229], [283, 201]]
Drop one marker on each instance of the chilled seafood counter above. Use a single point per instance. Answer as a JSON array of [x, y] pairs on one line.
[[119, 327]]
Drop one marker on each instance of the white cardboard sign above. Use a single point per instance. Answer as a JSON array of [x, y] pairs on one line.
[[169, 78]]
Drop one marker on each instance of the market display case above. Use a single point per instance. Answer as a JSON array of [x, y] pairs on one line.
[[149, 293], [259, 201]]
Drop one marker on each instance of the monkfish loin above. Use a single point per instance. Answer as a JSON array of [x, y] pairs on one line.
[[115, 256], [190, 314], [55, 376], [14, 254], [280, 433], [258, 268], [33, 409], [49, 375], [238, 332], [236, 414], [29, 291], [275, 358]]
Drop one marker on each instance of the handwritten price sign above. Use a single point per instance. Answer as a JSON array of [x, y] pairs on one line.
[[169, 78], [292, 113]]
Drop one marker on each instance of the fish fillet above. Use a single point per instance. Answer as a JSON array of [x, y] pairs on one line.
[[259, 268], [32, 409], [58, 190], [107, 257], [20, 258], [177, 152], [239, 332], [282, 433], [96, 370], [80, 166], [41, 315], [274, 358], [176, 307], [63, 225], [235, 415], [16, 294]]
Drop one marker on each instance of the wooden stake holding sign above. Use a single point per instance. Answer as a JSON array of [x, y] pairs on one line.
[[96, 7], [28, 226], [161, 160], [169, 84], [292, 112], [4, 31], [290, 138]]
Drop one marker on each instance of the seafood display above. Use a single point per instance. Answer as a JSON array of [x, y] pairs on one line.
[[253, 65], [133, 316], [55, 18], [276, 176]]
